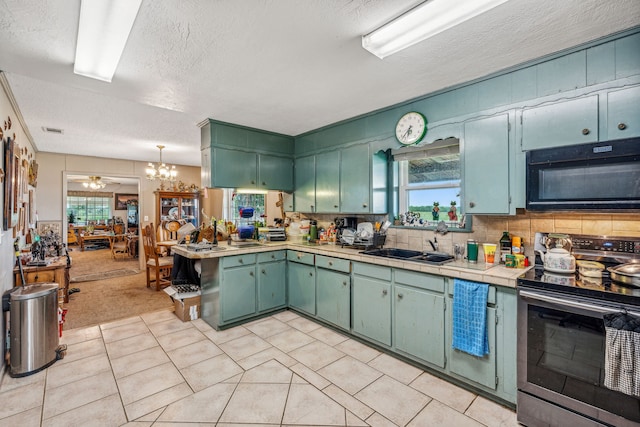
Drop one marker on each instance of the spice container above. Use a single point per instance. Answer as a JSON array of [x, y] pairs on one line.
[[505, 247]]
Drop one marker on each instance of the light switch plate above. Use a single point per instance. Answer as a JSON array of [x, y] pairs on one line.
[[146, 217]]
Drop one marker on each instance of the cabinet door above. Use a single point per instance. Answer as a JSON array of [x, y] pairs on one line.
[[355, 185], [372, 309], [189, 209], [305, 184], [233, 169], [272, 280], [328, 182], [623, 113], [563, 123], [334, 297], [302, 287], [419, 324], [238, 292], [486, 165], [481, 370], [275, 173]]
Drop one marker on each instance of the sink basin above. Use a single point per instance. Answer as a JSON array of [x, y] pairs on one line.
[[410, 255], [393, 253]]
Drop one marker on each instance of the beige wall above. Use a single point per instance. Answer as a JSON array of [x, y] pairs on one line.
[[52, 185], [489, 229]]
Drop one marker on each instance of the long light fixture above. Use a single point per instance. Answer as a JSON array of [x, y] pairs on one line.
[[95, 183], [162, 172], [421, 22], [103, 31]]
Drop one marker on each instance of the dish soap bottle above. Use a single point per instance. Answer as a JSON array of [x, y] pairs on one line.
[[505, 246]]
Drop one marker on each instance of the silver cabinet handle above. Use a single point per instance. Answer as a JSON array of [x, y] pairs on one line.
[[252, 181], [586, 131], [622, 126], [251, 273], [263, 271], [384, 292], [472, 204], [400, 296], [310, 274], [241, 261], [364, 205], [330, 263], [264, 183], [344, 283]]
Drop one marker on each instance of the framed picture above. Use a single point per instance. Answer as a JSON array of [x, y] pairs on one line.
[[45, 226], [11, 175], [123, 199]]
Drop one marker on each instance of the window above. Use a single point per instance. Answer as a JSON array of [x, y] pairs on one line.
[[87, 209], [235, 200], [428, 183]]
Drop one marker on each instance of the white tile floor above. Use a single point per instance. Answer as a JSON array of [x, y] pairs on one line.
[[283, 370]]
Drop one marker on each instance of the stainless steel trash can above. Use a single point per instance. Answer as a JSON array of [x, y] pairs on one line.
[[34, 328]]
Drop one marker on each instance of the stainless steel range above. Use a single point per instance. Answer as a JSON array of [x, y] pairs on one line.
[[571, 359]]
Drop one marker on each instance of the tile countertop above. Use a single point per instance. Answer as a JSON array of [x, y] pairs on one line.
[[481, 272]]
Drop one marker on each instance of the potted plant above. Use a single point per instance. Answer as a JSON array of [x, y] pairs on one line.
[[435, 212], [453, 215]]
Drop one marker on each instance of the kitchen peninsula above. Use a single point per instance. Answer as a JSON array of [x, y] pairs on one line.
[[401, 307]]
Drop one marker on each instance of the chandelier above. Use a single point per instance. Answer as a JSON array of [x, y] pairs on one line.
[[95, 183], [162, 172]]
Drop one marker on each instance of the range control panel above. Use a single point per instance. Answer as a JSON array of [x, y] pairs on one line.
[[621, 245]]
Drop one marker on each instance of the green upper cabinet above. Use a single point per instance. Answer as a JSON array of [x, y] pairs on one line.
[[275, 173], [363, 180], [328, 182], [486, 165], [239, 157], [561, 123], [305, 182], [233, 169], [623, 113]]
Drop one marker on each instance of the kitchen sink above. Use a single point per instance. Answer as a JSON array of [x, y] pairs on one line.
[[436, 258]]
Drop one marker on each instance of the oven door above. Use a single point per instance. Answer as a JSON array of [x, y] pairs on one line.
[[561, 362]]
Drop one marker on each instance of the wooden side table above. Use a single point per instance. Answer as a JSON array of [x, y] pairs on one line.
[[56, 272]]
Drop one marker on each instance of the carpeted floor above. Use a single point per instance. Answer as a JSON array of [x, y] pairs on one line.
[[109, 298]]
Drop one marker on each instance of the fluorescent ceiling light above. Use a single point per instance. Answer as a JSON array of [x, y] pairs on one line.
[[102, 34], [421, 22]]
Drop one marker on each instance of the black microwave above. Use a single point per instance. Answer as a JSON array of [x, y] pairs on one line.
[[602, 176]]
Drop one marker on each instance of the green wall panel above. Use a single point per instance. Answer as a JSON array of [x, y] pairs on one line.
[[601, 63], [562, 74], [627, 56], [524, 84]]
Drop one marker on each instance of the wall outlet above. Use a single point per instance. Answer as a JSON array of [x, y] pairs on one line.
[[146, 217]]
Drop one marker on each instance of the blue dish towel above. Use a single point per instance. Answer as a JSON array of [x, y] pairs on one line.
[[470, 317]]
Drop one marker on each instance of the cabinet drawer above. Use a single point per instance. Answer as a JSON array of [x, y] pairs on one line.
[[419, 280], [336, 264], [238, 260], [375, 271], [301, 257], [40, 276], [491, 298], [272, 256]]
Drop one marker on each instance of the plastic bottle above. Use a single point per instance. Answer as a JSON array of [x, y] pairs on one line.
[[313, 230], [505, 246]]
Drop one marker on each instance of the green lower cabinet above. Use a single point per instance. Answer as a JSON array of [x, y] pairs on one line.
[[238, 293], [333, 293], [372, 308], [480, 370], [302, 287], [419, 324], [272, 281]]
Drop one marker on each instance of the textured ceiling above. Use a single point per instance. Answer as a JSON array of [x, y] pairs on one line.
[[286, 66]]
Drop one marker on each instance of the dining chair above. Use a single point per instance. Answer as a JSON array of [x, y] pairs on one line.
[[161, 266], [119, 246]]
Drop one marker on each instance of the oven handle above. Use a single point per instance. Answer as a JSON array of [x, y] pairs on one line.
[[575, 304]]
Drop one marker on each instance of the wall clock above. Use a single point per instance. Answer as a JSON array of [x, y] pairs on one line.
[[411, 128]]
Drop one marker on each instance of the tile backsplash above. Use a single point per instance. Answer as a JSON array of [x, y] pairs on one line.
[[488, 229]]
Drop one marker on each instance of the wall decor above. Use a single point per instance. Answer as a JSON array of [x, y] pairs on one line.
[[45, 226], [10, 205], [32, 208], [24, 177], [33, 173], [123, 199]]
